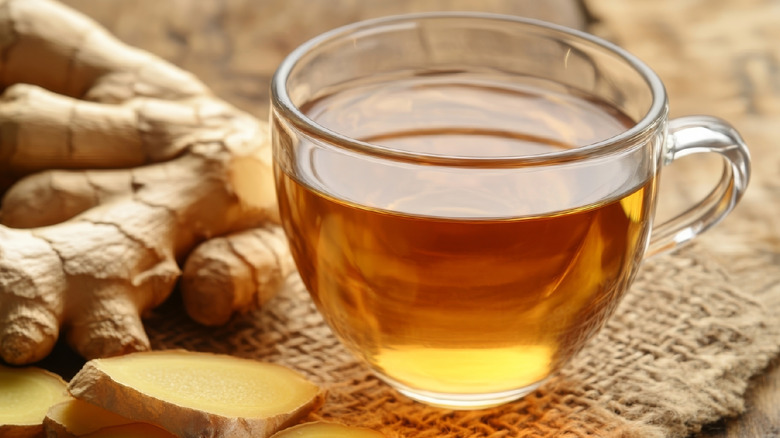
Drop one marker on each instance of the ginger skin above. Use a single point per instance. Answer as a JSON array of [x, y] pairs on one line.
[[120, 165], [239, 271]]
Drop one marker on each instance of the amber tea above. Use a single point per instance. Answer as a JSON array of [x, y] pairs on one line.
[[450, 282], [467, 196]]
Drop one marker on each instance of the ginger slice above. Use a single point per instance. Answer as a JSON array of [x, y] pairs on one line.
[[321, 429], [131, 430], [78, 418], [25, 396], [198, 394]]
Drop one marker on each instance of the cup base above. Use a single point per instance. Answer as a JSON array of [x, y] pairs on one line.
[[461, 401]]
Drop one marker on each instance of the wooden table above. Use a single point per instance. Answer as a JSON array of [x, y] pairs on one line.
[[721, 58]]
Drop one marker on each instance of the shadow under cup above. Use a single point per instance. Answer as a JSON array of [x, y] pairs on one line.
[[468, 196]]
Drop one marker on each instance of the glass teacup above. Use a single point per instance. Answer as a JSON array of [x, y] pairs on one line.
[[468, 196]]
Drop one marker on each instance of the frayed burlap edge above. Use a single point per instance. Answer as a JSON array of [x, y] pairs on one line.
[[678, 354]]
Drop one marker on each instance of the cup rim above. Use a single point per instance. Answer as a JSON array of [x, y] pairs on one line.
[[626, 140]]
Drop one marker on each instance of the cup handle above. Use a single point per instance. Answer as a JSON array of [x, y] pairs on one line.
[[694, 135]]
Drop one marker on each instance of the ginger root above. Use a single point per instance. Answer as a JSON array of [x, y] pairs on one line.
[[321, 429], [198, 394], [25, 396], [121, 165], [239, 271]]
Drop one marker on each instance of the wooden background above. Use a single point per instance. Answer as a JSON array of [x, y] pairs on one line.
[[719, 57]]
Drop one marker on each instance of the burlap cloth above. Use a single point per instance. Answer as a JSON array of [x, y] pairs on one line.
[[677, 354]]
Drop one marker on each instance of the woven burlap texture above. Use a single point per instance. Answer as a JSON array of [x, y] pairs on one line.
[[678, 354]]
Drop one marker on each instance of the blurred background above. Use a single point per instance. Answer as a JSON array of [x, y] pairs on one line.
[[234, 46]]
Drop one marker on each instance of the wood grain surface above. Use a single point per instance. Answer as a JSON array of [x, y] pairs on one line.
[[716, 57]]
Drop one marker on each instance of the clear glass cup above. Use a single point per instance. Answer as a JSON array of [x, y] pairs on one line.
[[468, 196]]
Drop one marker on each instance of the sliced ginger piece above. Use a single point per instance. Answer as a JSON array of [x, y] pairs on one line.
[[25, 396], [78, 418], [131, 430], [321, 429], [198, 394]]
